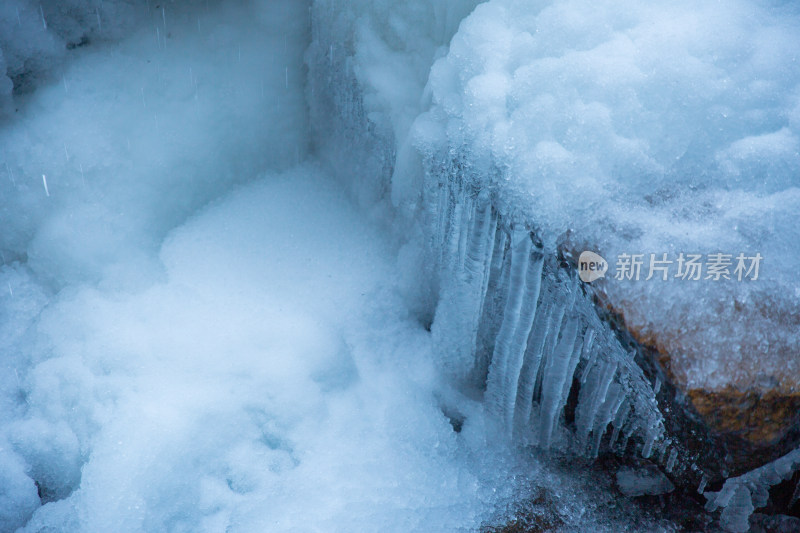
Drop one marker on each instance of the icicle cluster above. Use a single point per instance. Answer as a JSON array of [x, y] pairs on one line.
[[513, 320], [740, 496]]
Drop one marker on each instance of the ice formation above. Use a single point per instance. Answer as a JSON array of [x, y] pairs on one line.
[[659, 129], [643, 128], [36, 38], [617, 162], [536, 335], [741, 495], [508, 318], [646, 481], [196, 338]]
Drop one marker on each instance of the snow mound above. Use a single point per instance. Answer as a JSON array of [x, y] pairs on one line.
[[644, 128]]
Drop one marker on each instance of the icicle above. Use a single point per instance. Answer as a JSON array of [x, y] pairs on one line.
[[513, 336], [605, 381], [589, 354], [463, 237], [530, 368], [490, 237], [625, 443], [555, 373], [453, 237], [662, 452], [563, 301], [702, 486], [592, 396], [588, 366], [442, 213], [741, 494], [497, 261], [673, 456], [650, 437], [492, 300], [619, 422], [581, 348], [519, 342], [458, 314], [734, 517], [605, 415], [478, 241]]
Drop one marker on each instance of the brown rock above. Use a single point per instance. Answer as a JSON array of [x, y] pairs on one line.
[[761, 418]]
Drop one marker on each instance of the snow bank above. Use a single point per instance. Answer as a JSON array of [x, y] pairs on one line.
[[138, 135], [98, 165], [270, 382]]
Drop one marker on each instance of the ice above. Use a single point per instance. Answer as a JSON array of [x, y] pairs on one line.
[[135, 171], [512, 339], [673, 456], [213, 399], [37, 38], [554, 379], [643, 481], [741, 495], [530, 368], [735, 516], [592, 396]]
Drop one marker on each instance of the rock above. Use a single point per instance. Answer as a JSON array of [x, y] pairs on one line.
[[762, 418], [754, 419]]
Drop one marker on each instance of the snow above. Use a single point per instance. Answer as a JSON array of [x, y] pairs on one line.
[[643, 128], [201, 330], [270, 381], [208, 328]]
